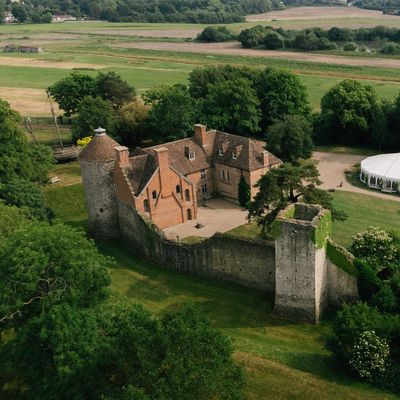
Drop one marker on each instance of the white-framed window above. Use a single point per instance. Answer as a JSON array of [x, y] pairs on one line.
[[203, 174], [234, 157], [220, 152], [191, 155], [204, 188]]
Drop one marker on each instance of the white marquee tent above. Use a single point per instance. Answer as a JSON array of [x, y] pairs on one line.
[[382, 172]]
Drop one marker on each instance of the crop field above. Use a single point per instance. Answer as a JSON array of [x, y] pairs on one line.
[[147, 55]]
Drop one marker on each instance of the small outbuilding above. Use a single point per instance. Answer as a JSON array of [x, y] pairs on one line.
[[382, 172]]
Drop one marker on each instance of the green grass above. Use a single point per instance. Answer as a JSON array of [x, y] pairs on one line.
[[363, 211], [47, 134], [283, 360]]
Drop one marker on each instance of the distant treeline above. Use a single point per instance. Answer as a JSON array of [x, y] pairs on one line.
[[190, 11], [313, 38], [387, 6]]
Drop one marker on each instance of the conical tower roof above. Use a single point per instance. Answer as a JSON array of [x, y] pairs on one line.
[[101, 148]]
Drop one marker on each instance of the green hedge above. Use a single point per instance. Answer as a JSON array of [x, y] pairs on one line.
[[341, 258]]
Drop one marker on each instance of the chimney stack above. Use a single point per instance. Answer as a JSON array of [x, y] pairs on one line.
[[200, 134], [122, 156], [162, 160], [265, 156]]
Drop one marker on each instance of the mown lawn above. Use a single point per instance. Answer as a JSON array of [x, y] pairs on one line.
[[363, 211]]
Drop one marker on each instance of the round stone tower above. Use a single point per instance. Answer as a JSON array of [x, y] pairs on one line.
[[97, 163]]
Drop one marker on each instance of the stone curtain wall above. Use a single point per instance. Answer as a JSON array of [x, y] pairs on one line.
[[296, 268], [248, 262]]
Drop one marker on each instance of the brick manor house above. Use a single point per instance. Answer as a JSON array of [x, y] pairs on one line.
[[166, 182]]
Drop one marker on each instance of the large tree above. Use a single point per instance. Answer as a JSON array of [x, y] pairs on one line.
[[284, 185], [71, 90], [281, 93], [93, 112], [232, 106], [349, 112], [71, 340], [290, 138], [110, 86], [172, 112], [18, 159], [19, 12]]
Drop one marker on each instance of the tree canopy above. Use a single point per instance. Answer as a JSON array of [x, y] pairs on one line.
[[288, 184], [290, 138], [349, 112]]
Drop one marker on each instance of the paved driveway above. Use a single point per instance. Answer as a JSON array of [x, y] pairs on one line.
[[331, 167], [219, 216]]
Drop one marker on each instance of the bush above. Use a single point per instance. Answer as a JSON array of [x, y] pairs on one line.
[[391, 48], [385, 299], [368, 281], [380, 247], [213, 34], [273, 40], [369, 356], [350, 47]]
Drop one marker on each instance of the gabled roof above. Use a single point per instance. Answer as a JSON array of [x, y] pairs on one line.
[[141, 169]]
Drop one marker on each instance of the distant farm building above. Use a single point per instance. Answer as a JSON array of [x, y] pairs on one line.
[[11, 48], [63, 18], [9, 18]]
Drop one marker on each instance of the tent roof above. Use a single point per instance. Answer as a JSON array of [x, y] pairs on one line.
[[383, 166]]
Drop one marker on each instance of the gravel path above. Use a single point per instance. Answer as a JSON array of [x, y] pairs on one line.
[[331, 167]]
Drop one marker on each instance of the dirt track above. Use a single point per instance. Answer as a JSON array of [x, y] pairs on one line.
[[42, 63], [319, 13], [235, 49]]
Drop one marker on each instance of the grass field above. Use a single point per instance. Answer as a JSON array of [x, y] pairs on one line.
[[86, 47], [283, 360]]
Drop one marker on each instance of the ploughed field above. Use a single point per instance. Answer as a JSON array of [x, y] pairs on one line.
[[283, 360]]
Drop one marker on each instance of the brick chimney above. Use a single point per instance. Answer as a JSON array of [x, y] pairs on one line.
[[162, 160], [200, 134], [122, 156], [265, 156]]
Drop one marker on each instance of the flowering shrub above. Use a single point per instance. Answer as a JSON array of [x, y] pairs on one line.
[[377, 245], [84, 141], [370, 355]]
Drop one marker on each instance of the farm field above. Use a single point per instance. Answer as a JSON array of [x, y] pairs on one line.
[[286, 360], [147, 55]]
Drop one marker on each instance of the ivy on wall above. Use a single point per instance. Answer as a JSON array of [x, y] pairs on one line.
[[341, 258], [322, 231]]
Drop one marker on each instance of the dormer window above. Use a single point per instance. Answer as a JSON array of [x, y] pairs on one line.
[[189, 153], [234, 156], [220, 152]]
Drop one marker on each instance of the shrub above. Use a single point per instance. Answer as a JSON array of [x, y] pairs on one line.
[[212, 34], [369, 356], [350, 47], [352, 320], [385, 299], [84, 141], [368, 281], [380, 247], [391, 48], [273, 40], [244, 192]]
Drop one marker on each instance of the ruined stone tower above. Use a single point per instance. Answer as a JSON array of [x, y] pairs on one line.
[[301, 281], [97, 162]]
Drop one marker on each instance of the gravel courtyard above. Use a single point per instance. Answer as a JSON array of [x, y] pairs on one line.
[[218, 216]]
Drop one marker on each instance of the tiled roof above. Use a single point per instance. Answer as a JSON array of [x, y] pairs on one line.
[[141, 169], [220, 147], [100, 148]]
